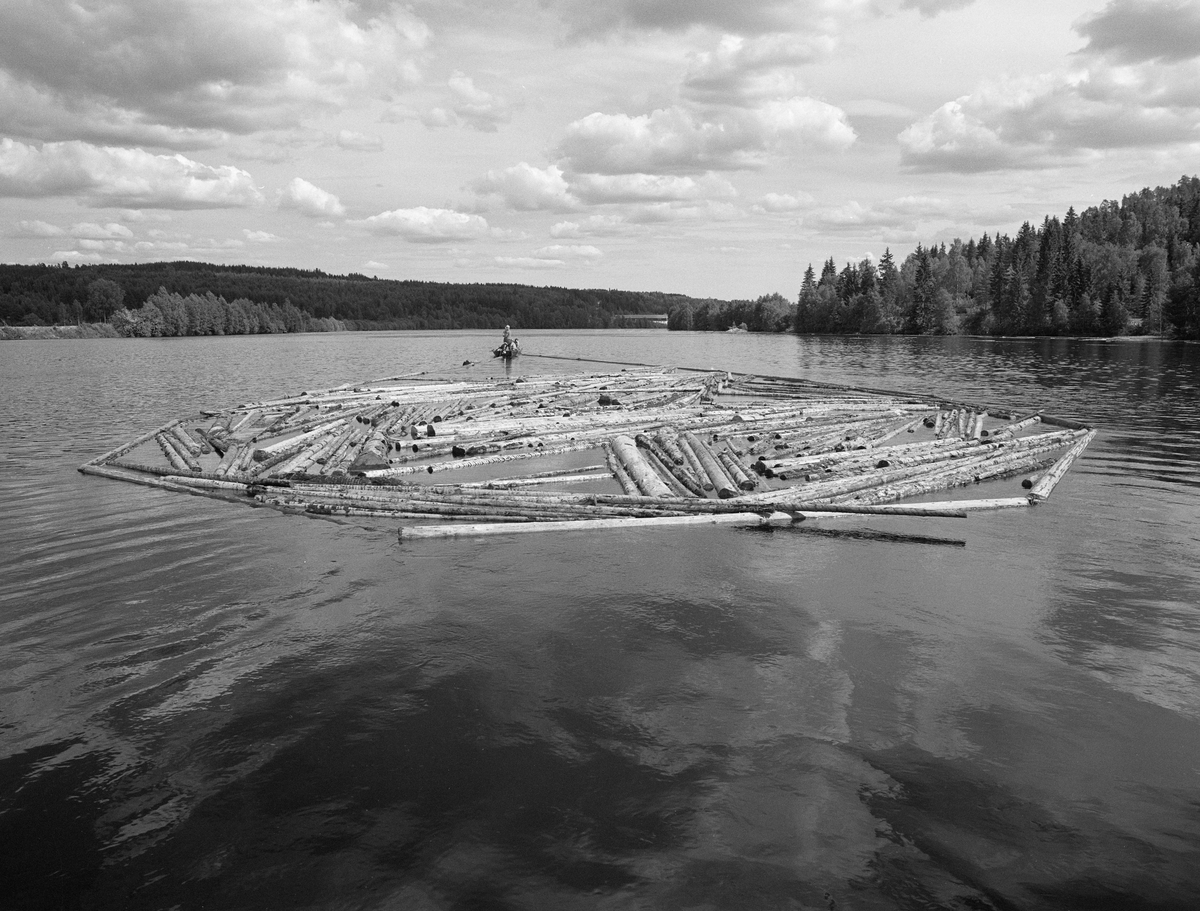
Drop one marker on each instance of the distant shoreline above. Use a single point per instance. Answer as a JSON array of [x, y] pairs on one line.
[[104, 330], [40, 333]]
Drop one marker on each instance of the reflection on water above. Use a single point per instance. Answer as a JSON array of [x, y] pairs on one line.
[[212, 706]]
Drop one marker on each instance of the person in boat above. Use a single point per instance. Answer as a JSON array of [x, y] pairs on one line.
[[508, 347]]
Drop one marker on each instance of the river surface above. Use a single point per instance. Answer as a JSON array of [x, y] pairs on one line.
[[204, 705]]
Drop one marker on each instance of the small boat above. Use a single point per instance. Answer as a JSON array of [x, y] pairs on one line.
[[507, 349]]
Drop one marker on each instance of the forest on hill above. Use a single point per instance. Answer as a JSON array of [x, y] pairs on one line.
[[188, 298], [1128, 267]]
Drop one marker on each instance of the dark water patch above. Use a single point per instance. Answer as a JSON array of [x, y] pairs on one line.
[[48, 807], [381, 794]]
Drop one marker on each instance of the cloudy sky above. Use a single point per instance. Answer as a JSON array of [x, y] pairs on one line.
[[711, 147]]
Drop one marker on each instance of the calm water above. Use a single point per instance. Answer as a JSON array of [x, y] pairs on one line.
[[207, 706]]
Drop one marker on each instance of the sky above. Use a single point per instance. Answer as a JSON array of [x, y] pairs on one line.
[[707, 147]]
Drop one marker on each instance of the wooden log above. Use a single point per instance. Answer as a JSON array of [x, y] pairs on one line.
[[540, 476], [977, 430], [1042, 489], [232, 453], [208, 483], [684, 476], [618, 470], [516, 483], [305, 459], [976, 471], [345, 452], [978, 504], [125, 448], [646, 478], [176, 458], [665, 472], [119, 474], [711, 467], [735, 471], [184, 441], [867, 534], [666, 439], [897, 478], [419, 532], [216, 440], [397, 470], [1065, 423], [1016, 427], [693, 463]]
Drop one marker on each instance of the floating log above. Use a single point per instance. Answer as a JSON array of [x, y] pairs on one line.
[[750, 519], [735, 471], [643, 474], [1041, 490], [711, 467], [676, 443]]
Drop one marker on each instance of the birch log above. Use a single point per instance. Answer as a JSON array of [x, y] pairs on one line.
[[712, 468], [1041, 490], [639, 469]]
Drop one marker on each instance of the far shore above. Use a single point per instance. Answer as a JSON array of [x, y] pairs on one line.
[[83, 330], [104, 330]]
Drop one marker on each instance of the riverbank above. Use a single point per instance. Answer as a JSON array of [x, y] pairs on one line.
[[84, 330]]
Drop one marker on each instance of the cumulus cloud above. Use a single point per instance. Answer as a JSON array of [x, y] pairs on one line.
[[953, 138], [121, 177], [528, 188], [1139, 31], [704, 210], [565, 251], [586, 18], [784, 202], [76, 256], [529, 262], [425, 225], [740, 69], [678, 140], [37, 228], [617, 188], [259, 237], [469, 105], [93, 231], [192, 69], [611, 224], [310, 199], [1043, 121], [931, 8], [903, 214]]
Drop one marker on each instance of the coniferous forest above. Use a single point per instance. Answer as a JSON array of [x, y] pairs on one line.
[[1128, 267], [1131, 267]]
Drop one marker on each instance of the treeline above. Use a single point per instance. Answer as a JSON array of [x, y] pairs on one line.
[[769, 313], [168, 314], [1128, 267], [55, 295]]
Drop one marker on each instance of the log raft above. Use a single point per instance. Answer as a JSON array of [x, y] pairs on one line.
[[642, 447]]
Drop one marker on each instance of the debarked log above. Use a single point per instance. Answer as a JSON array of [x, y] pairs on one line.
[[753, 520], [643, 474], [712, 468]]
